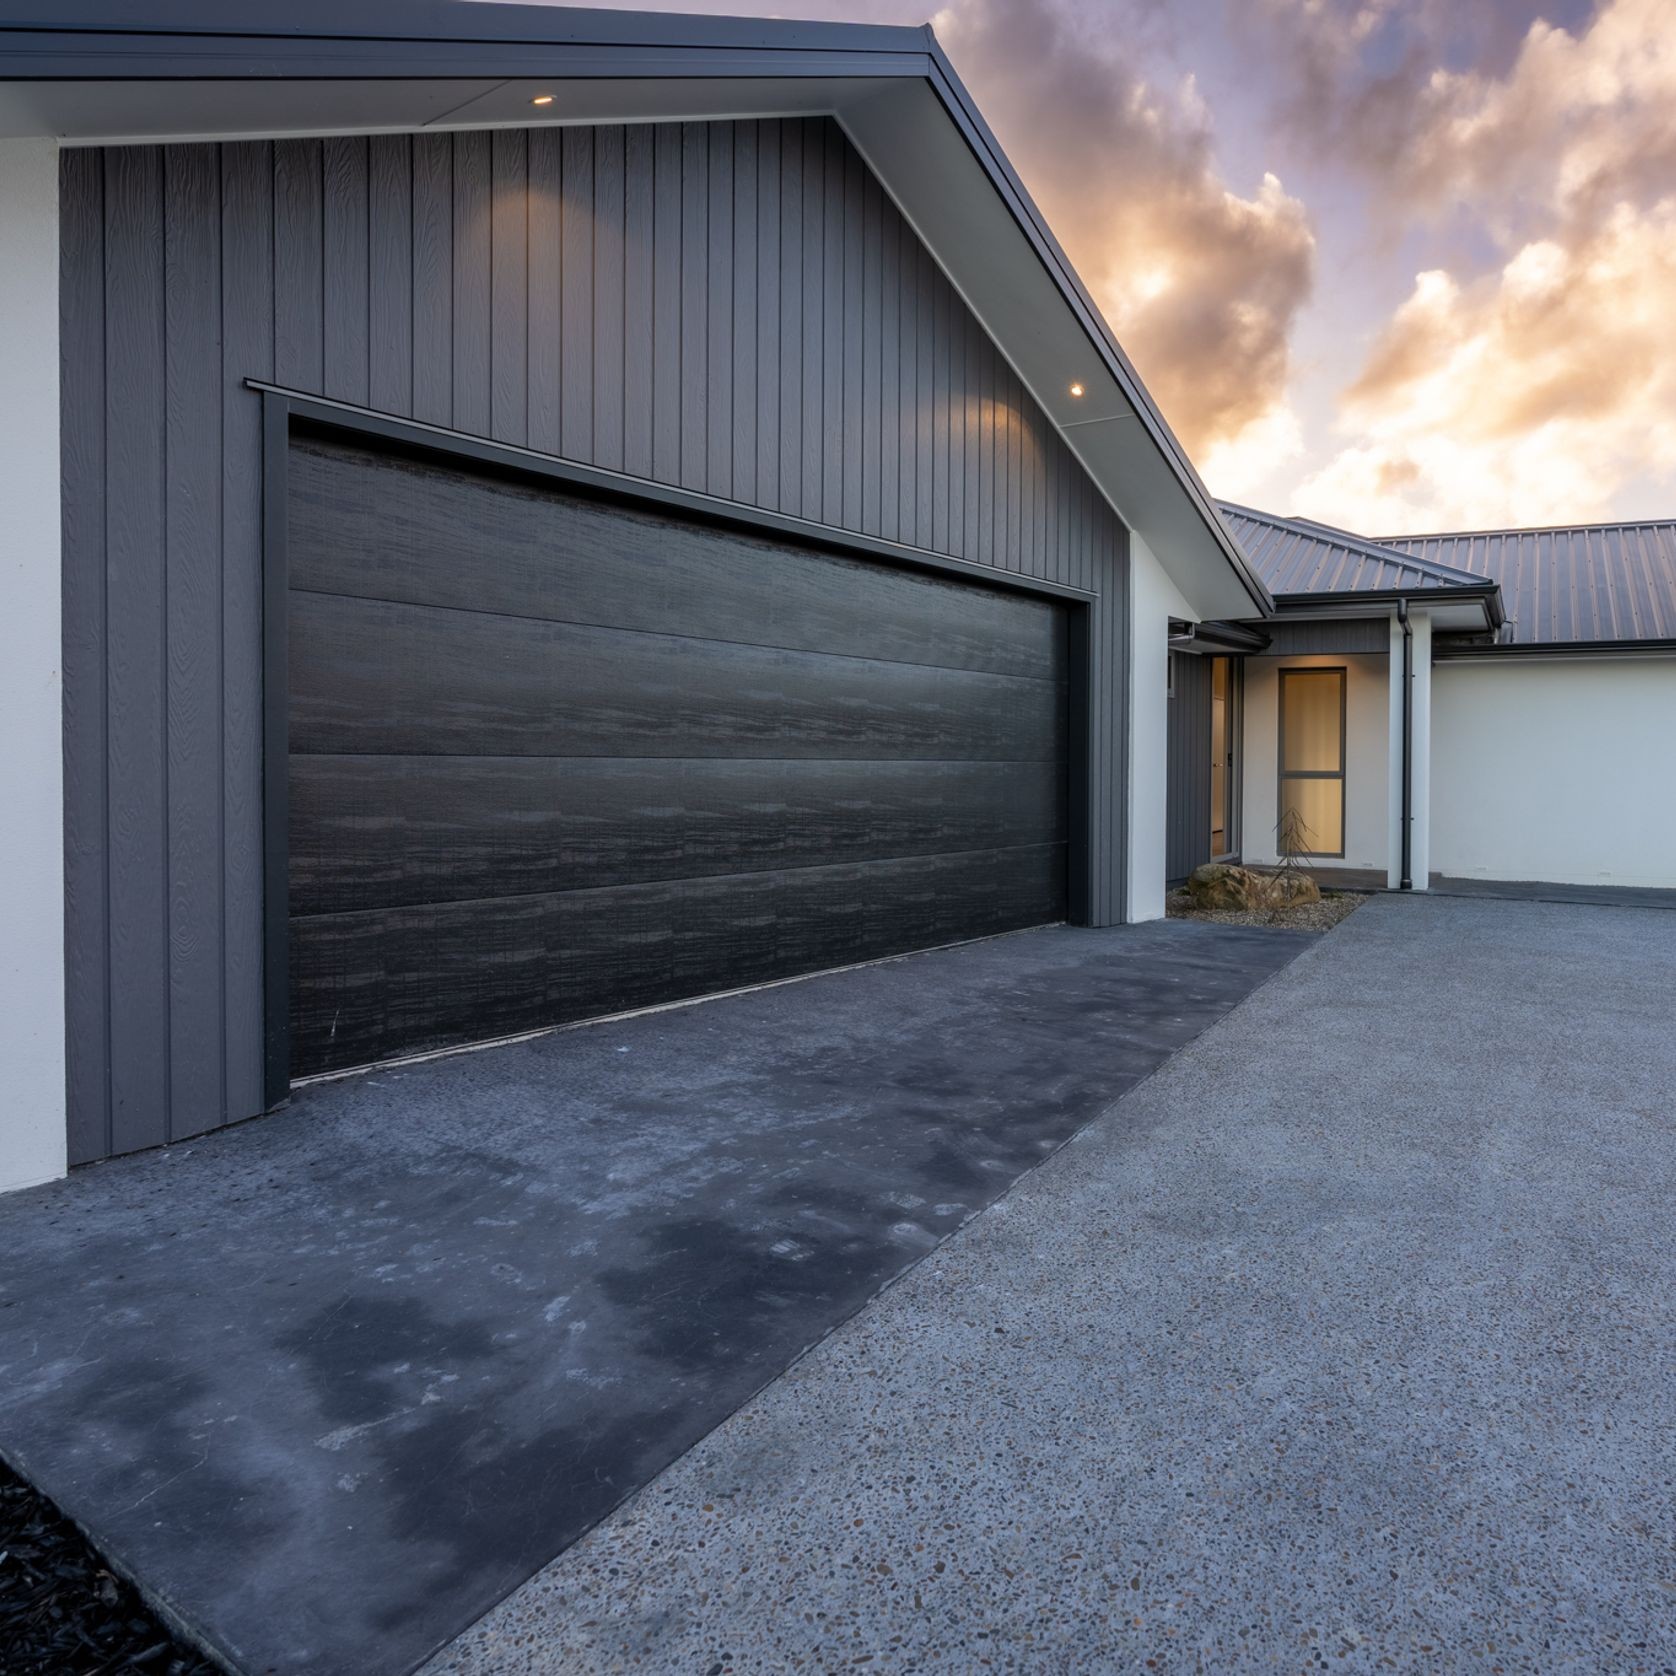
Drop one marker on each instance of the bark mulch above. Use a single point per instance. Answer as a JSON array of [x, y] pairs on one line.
[[62, 1613]]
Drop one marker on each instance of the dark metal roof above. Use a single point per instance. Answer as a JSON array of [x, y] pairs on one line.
[[1299, 556], [1586, 584]]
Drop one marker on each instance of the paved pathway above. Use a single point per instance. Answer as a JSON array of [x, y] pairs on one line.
[[1344, 1342], [330, 1384]]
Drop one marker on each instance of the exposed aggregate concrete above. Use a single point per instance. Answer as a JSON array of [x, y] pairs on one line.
[[1345, 1342]]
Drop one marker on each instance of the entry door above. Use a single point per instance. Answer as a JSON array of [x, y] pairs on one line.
[[554, 757]]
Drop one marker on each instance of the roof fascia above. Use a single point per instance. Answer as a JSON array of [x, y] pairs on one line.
[[1217, 637], [994, 162], [206, 31], [1445, 650], [1372, 602]]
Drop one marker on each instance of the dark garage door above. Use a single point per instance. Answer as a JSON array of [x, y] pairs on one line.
[[553, 757]]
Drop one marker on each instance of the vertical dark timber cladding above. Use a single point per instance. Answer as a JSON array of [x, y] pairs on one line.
[[81, 228], [733, 308]]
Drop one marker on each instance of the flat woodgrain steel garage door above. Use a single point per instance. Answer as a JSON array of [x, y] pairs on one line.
[[553, 757]]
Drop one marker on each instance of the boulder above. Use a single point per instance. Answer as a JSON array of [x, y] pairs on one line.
[[1292, 890], [1220, 885]]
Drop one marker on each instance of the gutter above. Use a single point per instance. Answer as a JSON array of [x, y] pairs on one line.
[[1451, 649], [1406, 882], [1216, 636], [1376, 602]]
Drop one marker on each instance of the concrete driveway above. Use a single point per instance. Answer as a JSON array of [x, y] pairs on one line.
[[329, 1385], [1344, 1342]]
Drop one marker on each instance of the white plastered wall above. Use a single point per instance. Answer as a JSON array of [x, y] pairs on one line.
[[1367, 755], [1559, 770], [32, 1135], [1153, 601]]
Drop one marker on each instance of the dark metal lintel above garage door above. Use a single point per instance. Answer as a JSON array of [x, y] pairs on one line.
[[293, 405]]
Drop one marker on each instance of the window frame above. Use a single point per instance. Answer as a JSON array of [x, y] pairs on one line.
[[1283, 774]]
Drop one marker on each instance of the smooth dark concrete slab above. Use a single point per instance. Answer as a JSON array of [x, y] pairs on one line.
[[1528, 890], [331, 1384]]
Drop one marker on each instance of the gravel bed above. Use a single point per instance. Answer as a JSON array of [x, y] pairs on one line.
[[1335, 905], [62, 1613]]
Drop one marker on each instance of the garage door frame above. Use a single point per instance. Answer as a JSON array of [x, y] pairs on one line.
[[283, 409]]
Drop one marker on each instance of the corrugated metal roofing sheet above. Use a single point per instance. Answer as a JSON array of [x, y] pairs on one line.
[[1299, 556], [1586, 583], [1580, 585]]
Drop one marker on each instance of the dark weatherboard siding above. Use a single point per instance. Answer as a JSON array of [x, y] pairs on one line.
[[1328, 635], [552, 758], [731, 307], [1187, 831]]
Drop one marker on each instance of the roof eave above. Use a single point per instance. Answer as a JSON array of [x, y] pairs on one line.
[[1449, 650], [1117, 365], [1377, 602]]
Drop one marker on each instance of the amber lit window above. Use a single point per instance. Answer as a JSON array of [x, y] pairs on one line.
[[1312, 756]]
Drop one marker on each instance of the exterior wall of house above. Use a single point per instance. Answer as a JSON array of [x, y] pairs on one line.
[[1367, 835], [1154, 600], [31, 688], [1188, 843], [730, 308], [1555, 769]]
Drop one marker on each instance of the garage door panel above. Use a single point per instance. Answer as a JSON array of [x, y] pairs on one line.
[[374, 985], [382, 527], [505, 815], [390, 831], [371, 676]]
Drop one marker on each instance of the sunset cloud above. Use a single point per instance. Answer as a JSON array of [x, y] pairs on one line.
[[1516, 157], [1581, 124], [1201, 284], [1529, 396], [1535, 390]]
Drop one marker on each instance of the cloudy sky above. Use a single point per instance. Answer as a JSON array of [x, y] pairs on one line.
[[1401, 265]]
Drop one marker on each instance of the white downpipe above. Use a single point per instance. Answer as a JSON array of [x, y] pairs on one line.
[[32, 1134]]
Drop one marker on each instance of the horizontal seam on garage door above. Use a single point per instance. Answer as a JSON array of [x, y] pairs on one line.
[[583, 756], [675, 634], [684, 879]]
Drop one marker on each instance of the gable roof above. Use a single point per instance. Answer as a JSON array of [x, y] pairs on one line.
[[1580, 586], [89, 72], [1596, 584], [1299, 556]]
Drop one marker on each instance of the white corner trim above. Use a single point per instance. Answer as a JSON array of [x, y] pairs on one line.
[[1153, 601], [1420, 752], [1420, 767], [1393, 760], [32, 1121]]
